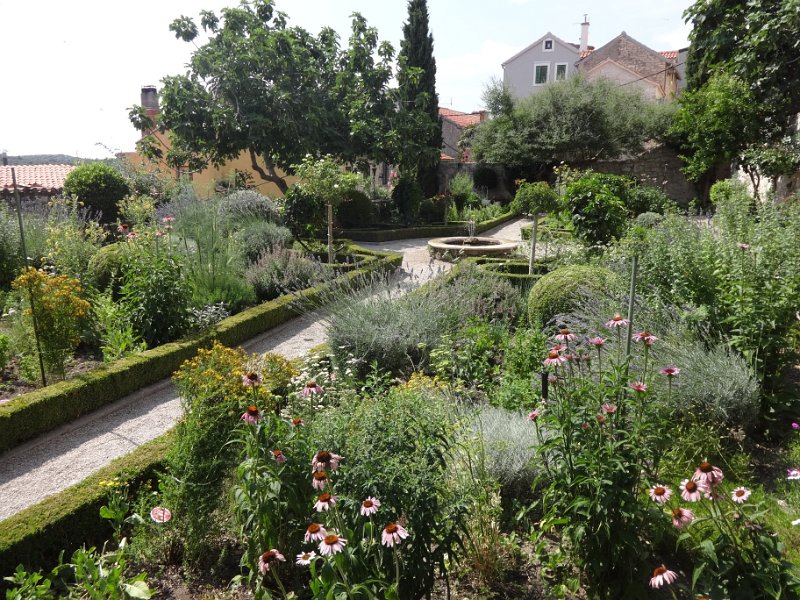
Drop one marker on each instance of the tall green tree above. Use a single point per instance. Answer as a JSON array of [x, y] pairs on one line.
[[274, 92], [420, 129]]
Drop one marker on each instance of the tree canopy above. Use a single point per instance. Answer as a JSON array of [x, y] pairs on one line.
[[574, 121], [275, 92]]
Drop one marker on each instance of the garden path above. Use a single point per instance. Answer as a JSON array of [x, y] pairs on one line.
[[54, 461]]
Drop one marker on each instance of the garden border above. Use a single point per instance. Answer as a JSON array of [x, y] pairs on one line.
[[423, 231], [45, 409]]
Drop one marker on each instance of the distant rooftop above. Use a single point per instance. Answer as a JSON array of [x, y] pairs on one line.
[[45, 178], [461, 119]]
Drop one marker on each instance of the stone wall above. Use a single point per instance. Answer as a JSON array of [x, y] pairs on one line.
[[658, 167], [450, 168]]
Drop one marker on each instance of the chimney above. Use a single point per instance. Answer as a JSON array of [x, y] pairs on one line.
[[584, 34], [483, 115], [150, 100]]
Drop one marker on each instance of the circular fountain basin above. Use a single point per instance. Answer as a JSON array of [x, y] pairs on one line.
[[472, 246]]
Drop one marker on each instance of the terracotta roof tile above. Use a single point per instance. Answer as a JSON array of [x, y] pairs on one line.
[[449, 112], [444, 156], [465, 120], [669, 54], [48, 178]]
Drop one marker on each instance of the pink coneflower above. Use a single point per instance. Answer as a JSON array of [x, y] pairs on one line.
[[393, 534], [534, 414], [742, 246], [643, 336], [168, 219], [708, 474], [332, 544], [266, 560], [312, 388], [795, 425], [691, 491], [792, 473], [305, 558], [600, 419], [370, 506], [568, 357], [681, 517], [660, 493], [251, 415], [740, 495], [584, 426], [661, 576], [554, 359], [609, 408], [132, 235], [324, 460], [160, 233], [324, 502], [319, 480], [712, 494], [638, 386], [159, 514], [597, 341], [315, 533], [123, 228], [617, 321], [565, 335], [558, 348], [279, 456], [670, 371], [298, 422], [251, 379]]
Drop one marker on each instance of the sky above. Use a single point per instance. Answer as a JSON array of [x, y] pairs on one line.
[[71, 70]]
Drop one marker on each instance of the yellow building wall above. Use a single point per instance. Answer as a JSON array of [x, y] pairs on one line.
[[204, 182]]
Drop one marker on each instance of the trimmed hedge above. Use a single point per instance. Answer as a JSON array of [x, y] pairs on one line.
[[69, 519], [423, 231], [42, 410], [515, 270], [558, 292]]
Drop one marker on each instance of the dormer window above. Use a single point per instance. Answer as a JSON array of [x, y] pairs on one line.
[[548, 45]]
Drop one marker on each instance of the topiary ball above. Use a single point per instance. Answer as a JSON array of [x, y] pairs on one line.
[[559, 291]]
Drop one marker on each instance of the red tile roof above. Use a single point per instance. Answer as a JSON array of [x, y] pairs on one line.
[[460, 118], [47, 178], [669, 54], [449, 112]]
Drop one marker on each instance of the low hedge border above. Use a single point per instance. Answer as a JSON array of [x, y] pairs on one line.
[[423, 231], [43, 410], [515, 270], [66, 521], [544, 231]]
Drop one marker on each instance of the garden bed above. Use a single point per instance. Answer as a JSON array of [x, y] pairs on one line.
[[42, 410], [423, 231]]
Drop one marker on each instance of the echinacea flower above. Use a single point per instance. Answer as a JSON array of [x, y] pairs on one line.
[[325, 460], [558, 348], [315, 533], [708, 474], [312, 388], [554, 359], [617, 321], [159, 514], [643, 336], [691, 491], [279, 456], [298, 422], [670, 371], [324, 502], [266, 560], [597, 341], [534, 414], [565, 335], [251, 415], [305, 558], [795, 425], [393, 534], [681, 517], [601, 419], [251, 379], [332, 544], [792, 473], [660, 493], [132, 235], [742, 246], [370, 506], [662, 575], [319, 480], [740, 495], [123, 228], [638, 386], [168, 219], [609, 408]]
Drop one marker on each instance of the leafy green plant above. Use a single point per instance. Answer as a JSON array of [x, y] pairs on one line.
[[533, 198], [262, 236], [598, 205], [356, 211], [9, 247], [246, 206], [114, 329], [281, 271], [647, 199], [560, 291], [99, 186], [407, 196], [73, 237]]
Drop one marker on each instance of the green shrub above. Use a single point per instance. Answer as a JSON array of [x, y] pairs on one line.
[[729, 190], [432, 210], [9, 247], [303, 212], [407, 196], [534, 198], [355, 211], [5, 352], [105, 266], [262, 236], [226, 287], [646, 198], [462, 191], [281, 271], [99, 186], [73, 237], [649, 219], [561, 290], [156, 296], [245, 206], [598, 205]]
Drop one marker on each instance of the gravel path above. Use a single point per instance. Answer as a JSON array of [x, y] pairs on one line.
[[54, 461]]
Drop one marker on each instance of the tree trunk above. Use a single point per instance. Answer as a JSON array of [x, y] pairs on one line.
[[271, 175], [330, 233], [532, 256]]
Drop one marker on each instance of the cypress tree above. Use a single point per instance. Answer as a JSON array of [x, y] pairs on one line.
[[421, 128]]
